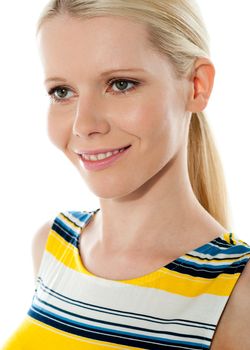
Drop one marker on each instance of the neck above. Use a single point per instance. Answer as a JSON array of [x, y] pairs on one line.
[[162, 211]]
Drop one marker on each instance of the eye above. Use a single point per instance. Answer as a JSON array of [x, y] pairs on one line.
[[122, 85], [59, 93]]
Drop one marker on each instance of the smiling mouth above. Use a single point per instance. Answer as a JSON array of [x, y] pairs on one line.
[[102, 161], [98, 151], [101, 156]]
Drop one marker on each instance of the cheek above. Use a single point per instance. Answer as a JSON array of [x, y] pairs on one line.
[[57, 128], [156, 122], [147, 119]]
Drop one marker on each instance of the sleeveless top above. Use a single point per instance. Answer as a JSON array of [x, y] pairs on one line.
[[177, 306]]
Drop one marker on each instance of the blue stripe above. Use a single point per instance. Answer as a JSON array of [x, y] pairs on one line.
[[202, 266], [127, 314], [220, 268], [212, 250], [79, 215], [65, 232], [70, 324]]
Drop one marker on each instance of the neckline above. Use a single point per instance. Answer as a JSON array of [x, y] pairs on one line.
[[144, 278]]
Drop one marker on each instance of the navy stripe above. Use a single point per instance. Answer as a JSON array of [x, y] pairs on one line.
[[219, 242], [219, 259], [65, 232], [121, 338], [185, 268], [204, 266], [72, 322], [230, 237], [145, 317], [70, 315]]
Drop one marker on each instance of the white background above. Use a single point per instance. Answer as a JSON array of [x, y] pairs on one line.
[[36, 179]]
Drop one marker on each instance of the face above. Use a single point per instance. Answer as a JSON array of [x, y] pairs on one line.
[[91, 108]]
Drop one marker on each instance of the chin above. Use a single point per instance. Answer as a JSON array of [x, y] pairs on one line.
[[108, 192]]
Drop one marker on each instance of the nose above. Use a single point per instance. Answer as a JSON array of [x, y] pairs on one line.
[[89, 117]]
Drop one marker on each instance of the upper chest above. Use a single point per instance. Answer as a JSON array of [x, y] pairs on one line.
[[233, 320]]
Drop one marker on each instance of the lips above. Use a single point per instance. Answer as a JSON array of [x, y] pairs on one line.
[[94, 165]]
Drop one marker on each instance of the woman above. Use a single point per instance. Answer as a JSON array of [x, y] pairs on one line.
[[155, 267]]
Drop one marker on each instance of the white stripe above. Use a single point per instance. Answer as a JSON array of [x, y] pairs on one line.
[[220, 256], [128, 298]]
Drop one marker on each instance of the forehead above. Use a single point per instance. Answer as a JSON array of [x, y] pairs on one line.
[[99, 42], [101, 38], [93, 33]]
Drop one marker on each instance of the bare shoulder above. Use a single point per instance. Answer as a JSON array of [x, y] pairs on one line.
[[233, 330], [38, 244]]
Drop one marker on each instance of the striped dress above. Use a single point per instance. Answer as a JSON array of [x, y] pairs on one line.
[[176, 307]]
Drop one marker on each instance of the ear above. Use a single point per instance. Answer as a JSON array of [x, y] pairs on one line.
[[202, 80]]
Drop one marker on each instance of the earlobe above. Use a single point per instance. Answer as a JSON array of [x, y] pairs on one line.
[[201, 85]]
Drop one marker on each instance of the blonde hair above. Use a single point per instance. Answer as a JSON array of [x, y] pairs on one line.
[[175, 29]]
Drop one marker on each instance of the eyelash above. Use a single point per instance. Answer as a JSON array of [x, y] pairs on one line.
[[109, 83]]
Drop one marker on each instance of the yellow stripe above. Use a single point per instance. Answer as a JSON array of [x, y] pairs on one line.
[[33, 334], [62, 250], [231, 235], [164, 279], [235, 240], [189, 286], [65, 252], [226, 237]]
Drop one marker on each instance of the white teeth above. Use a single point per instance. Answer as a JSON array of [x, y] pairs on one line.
[[100, 155]]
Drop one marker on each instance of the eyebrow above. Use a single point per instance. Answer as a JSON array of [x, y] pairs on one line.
[[102, 74]]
